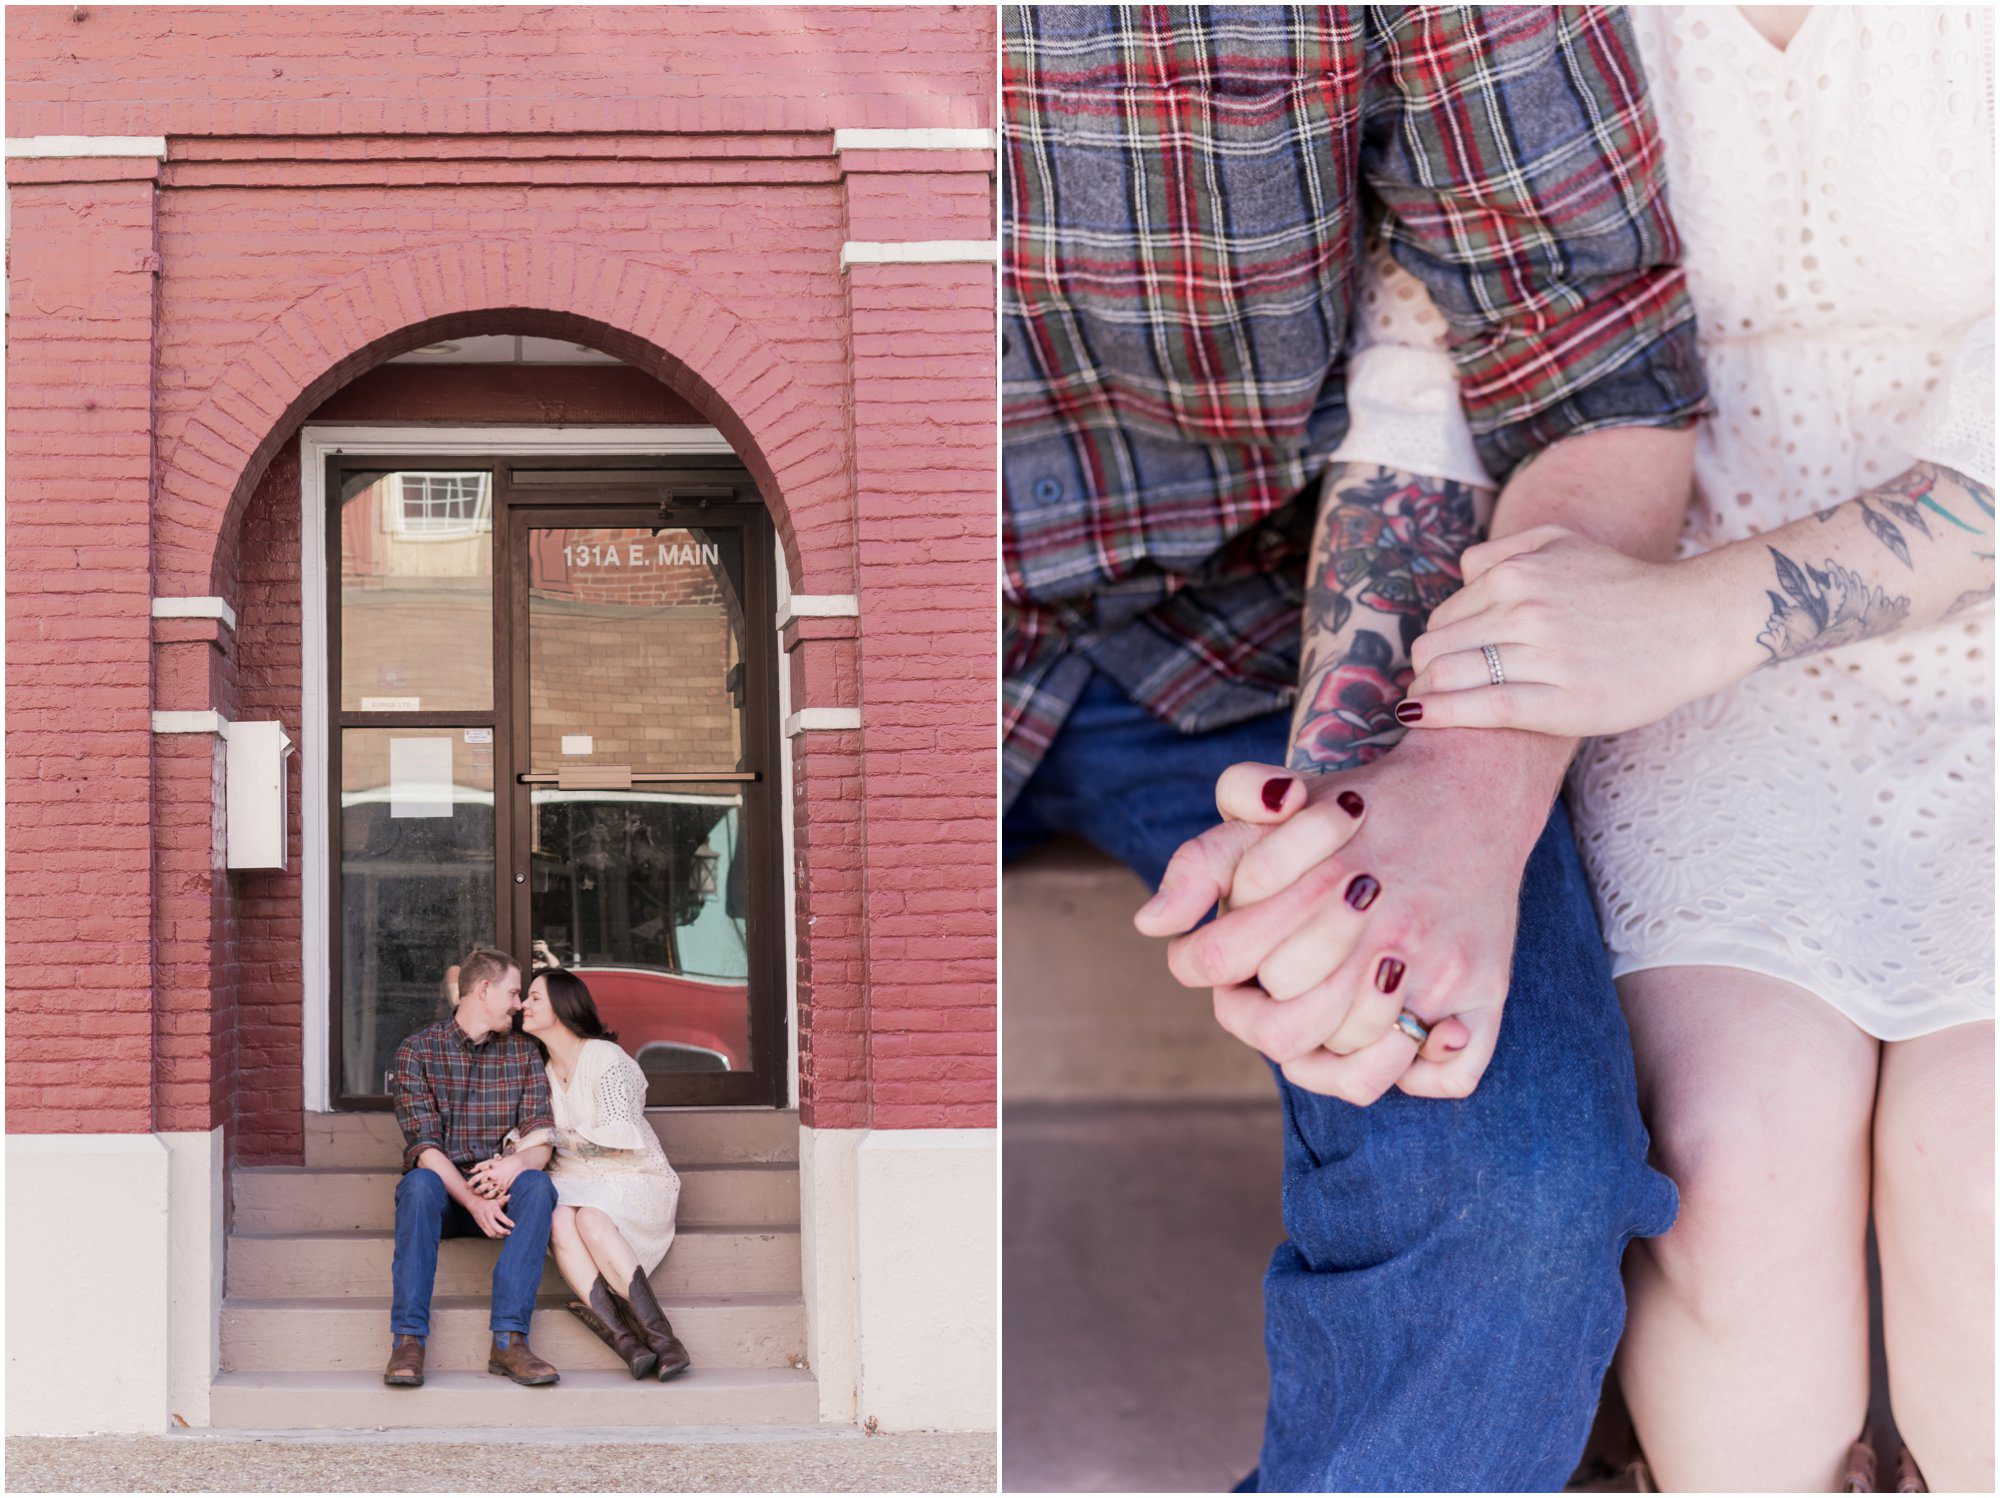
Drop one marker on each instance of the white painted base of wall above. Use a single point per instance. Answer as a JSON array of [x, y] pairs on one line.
[[113, 1241], [901, 1238]]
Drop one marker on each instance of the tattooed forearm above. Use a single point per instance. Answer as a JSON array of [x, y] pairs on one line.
[[1928, 501], [1824, 608], [1385, 554]]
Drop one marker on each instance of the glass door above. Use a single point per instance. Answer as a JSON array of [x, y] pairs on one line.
[[644, 852], [556, 734]]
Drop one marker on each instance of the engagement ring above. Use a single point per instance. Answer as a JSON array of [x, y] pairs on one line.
[[1493, 671]]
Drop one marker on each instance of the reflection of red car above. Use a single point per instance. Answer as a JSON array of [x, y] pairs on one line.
[[671, 1022]]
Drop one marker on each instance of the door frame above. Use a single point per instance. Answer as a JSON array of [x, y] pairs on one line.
[[553, 446]]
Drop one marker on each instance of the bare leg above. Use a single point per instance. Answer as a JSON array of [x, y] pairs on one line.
[[579, 1269], [1934, 1228], [608, 1249], [1745, 1360]]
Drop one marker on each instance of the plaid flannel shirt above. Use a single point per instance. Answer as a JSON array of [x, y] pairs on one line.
[[1182, 223], [462, 1096]]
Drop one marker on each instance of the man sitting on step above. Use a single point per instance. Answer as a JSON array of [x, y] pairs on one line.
[[460, 1085]]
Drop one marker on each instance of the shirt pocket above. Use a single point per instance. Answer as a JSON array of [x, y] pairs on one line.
[[1184, 251]]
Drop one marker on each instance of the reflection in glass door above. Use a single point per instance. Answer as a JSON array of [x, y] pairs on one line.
[[555, 734], [644, 776]]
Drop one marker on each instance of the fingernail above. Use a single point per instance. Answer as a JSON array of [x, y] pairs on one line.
[[1275, 790], [1454, 1045], [1409, 712], [1349, 802], [1388, 973], [1362, 890]]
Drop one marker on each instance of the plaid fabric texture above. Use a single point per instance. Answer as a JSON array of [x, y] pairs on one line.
[[462, 1097], [1186, 192]]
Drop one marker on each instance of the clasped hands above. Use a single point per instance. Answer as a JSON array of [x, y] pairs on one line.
[[1351, 896], [493, 1181]]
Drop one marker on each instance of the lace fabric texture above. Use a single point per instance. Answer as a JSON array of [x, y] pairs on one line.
[[607, 1155], [1828, 821]]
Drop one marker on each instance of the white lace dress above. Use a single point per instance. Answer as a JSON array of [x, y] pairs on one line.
[[607, 1155], [1828, 821]]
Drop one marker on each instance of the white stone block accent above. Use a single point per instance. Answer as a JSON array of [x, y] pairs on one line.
[[808, 719], [931, 139], [818, 606], [918, 252], [88, 145], [194, 608], [205, 721]]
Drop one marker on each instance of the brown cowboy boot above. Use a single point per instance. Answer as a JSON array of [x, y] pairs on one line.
[[602, 1317], [516, 1360], [406, 1363], [642, 1312]]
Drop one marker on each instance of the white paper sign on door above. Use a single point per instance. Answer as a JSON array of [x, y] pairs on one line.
[[420, 777]]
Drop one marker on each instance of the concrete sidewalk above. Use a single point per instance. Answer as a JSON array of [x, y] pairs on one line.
[[623, 1461]]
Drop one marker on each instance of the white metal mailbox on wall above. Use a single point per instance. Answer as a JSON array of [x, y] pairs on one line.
[[255, 808]]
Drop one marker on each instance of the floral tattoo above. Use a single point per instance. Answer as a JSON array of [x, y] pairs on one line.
[[1822, 608], [1386, 554]]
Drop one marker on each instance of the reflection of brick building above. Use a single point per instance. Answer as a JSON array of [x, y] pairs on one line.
[[759, 235]]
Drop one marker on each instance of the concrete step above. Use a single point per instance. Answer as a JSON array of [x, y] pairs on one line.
[[359, 1400], [707, 1260], [352, 1332], [691, 1136], [290, 1198]]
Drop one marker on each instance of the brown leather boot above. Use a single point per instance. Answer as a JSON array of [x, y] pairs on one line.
[[602, 1317], [642, 1313], [516, 1360], [406, 1363]]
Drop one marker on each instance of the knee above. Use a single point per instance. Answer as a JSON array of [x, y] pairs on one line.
[[562, 1228], [1766, 1180], [1934, 1155], [595, 1227], [533, 1188], [421, 1190]]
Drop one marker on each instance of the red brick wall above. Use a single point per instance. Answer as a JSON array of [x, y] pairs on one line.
[[655, 181], [79, 678]]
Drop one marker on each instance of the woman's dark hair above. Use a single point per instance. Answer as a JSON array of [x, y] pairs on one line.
[[573, 1006]]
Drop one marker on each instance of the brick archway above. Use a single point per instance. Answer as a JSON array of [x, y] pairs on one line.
[[640, 313]]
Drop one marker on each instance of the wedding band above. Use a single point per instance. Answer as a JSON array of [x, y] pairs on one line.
[[1413, 1027], [1493, 671]]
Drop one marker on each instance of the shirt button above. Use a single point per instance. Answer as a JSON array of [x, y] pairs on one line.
[[1047, 491]]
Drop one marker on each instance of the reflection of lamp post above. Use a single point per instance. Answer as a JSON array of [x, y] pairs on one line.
[[703, 880]]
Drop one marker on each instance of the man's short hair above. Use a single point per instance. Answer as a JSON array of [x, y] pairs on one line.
[[483, 963]]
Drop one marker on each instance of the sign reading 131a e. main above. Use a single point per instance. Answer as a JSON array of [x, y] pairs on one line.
[[643, 554]]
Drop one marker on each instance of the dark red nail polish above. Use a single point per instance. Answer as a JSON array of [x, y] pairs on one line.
[[1454, 1045], [1274, 792], [1388, 973], [1362, 890], [1409, 712], [1349, 802]]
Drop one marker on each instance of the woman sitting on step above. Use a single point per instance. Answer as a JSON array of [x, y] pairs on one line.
[[615, 1192]]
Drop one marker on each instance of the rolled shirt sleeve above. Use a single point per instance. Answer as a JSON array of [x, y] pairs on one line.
[[1521, 179], [416, 1105], [536, 1110]]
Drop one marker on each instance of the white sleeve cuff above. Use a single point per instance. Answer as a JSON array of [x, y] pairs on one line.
[[1404, 413]]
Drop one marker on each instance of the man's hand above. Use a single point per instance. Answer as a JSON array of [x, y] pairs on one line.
[[490, 1215], [1303, 974], [494, 1178]]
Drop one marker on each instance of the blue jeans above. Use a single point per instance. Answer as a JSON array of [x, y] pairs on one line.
[[426, 1214], [1443, 1312]]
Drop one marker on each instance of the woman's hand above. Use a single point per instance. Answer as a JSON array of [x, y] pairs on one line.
[[494, 1178], [1590, 641]]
